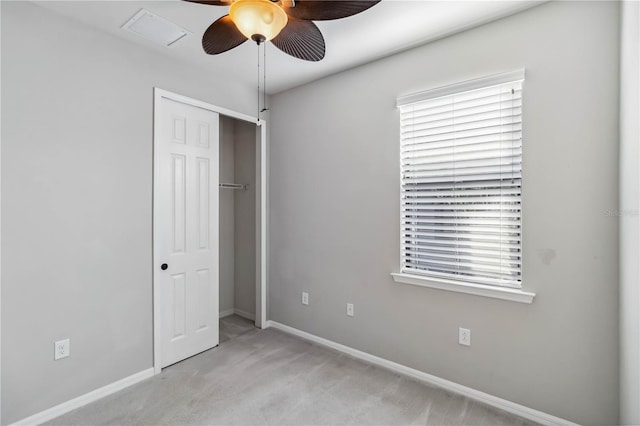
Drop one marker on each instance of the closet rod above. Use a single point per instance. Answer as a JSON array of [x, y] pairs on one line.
[[234, 186]]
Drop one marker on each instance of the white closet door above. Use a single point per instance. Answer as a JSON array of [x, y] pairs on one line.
[[186, 229]]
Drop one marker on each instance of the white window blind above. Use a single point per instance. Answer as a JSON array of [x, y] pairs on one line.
[[461, 157]]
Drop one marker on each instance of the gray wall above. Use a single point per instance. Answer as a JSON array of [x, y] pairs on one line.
[[245, 218], [334, 214], [76, 202], [629, 215], [227, 215]]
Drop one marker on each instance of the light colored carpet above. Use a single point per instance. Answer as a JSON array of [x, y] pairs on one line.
[[233, 326], [266, 377]]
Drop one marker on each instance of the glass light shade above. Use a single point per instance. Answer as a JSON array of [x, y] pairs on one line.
[[258, 18]]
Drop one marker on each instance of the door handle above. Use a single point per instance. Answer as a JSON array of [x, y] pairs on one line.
[[164, 266]]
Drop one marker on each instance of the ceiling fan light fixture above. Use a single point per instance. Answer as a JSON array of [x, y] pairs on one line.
[[258, 20]]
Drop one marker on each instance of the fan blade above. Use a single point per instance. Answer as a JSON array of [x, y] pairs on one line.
[[324, 10], [212, 2], [221, 36], [301, 39]]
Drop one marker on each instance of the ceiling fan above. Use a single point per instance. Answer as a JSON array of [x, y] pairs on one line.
[[286, 23]]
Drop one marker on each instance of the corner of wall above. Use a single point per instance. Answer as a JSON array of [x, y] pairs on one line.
[[629, 214]]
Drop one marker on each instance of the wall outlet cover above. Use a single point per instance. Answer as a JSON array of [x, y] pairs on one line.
[[464, 336], [350, 309], [62, 349], [305, 298]]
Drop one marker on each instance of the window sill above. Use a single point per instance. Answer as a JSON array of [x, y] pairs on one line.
[[511, 294]]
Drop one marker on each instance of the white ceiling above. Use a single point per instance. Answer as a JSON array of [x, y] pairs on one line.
[[388, 27]]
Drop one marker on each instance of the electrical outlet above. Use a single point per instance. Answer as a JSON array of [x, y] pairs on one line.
[[464, 336], [350, 309], [305, 298], [62, 349]]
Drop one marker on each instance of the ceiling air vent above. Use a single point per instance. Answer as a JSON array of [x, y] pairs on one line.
[[155, 28]]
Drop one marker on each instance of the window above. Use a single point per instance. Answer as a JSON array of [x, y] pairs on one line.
[[461, 176]]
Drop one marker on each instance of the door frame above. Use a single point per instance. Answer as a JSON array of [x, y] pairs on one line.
[[261, 218]]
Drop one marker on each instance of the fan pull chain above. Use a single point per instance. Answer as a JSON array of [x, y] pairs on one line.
[[264, 79], [258, 105]]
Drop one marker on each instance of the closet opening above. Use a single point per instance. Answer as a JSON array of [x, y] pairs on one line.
[[239, 211]]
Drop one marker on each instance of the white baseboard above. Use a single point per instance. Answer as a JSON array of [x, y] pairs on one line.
[[494, 401], [245, 314], [226, 313], [65, 407]]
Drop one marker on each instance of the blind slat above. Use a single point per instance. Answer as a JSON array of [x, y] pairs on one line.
[[478, 264], [463, 178], [472, 232], [481, 129], [459, 244], [496, 134], [450, 125], [442, 164], [454, 199], [462, 237], [460, 145], [498, 253], [468, 186]]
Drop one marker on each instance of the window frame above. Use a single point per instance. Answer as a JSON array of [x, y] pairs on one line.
[[467, 285]]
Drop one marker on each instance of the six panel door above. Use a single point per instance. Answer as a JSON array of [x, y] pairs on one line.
[[186, 216]]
